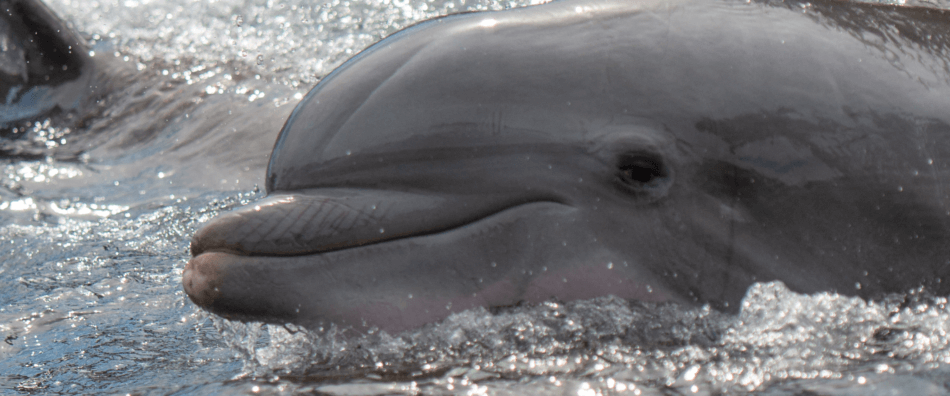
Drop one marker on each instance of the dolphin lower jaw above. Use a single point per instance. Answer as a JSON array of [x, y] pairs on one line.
[[300, 289], [399, 284]]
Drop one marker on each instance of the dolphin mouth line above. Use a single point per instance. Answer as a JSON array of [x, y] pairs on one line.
[[395, 237]]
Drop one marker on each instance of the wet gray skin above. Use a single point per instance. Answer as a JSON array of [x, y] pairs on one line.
[[44, 67], [656, 151]]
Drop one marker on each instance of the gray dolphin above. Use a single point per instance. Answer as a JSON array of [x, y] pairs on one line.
[[44, 66], [653, 150]]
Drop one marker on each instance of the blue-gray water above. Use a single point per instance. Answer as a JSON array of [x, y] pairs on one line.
[[94, 232]]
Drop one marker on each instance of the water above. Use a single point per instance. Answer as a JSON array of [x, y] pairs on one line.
[[96, 216]]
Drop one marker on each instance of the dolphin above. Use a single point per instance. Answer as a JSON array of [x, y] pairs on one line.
[[45, 68], [661, 151]]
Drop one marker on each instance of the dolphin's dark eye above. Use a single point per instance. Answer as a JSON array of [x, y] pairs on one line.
[[644, 174], [640, 168]]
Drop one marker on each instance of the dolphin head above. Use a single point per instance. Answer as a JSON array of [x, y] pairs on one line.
[[656, 151]]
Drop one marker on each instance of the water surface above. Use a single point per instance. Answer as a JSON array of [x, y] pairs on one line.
[[96, 217]]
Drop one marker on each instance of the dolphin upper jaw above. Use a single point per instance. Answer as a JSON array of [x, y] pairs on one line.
[[317, 221]]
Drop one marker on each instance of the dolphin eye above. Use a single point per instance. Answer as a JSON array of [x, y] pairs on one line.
[[644, 174], [638, 169]]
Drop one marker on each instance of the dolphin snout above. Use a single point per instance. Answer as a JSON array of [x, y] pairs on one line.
[[356, 256], [314, 222], [200, 279]]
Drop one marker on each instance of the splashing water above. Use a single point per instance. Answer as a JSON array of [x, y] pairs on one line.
[[95, 222], [780, 342]]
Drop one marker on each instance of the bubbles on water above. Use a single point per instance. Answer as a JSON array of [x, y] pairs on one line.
[[32, 137], [18, 205]]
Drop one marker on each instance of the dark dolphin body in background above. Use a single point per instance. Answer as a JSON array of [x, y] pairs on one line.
[[653, 150], [45, 68]]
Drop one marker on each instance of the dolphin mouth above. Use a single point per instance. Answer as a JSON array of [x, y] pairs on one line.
[[305, 229], [309, 223]]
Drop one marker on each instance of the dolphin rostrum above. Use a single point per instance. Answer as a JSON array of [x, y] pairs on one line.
[[653, 150]]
